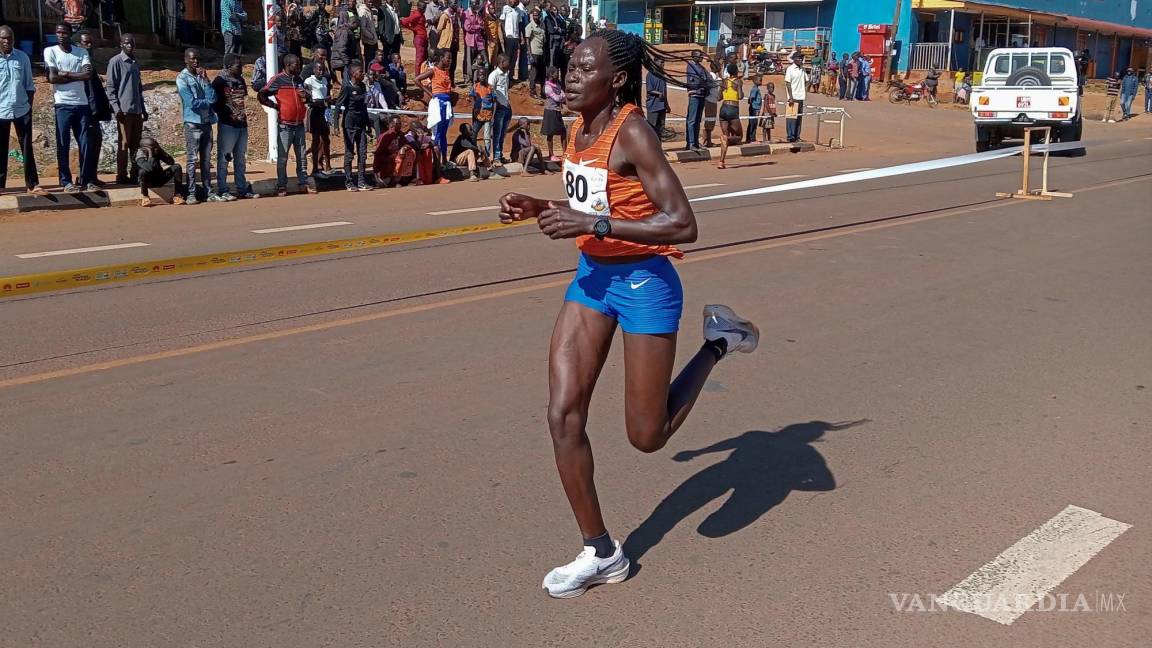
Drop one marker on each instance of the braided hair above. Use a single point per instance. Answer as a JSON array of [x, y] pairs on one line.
[[632, 54]]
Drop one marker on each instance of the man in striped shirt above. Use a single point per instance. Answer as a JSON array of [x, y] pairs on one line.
[[232, 17]]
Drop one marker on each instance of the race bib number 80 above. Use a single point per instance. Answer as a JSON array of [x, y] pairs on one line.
[[587, 188]]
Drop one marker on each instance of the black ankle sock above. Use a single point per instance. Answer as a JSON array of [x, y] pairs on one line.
[[602, 544], [718, 346]]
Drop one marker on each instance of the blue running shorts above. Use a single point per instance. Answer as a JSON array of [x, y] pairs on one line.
[[645, 297]]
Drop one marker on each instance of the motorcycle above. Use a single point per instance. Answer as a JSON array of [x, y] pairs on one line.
[[899, 91], [766, 63]]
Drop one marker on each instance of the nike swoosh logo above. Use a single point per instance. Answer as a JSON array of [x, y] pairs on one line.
[[584, 162], [637, 285]]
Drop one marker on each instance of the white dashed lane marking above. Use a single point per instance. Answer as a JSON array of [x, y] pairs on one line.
[[96, 248], [465, 210], [293, 228], [786, 177], [1024, 573]]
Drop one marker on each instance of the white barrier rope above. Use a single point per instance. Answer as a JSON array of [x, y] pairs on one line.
[[818, 110], [900, 169]]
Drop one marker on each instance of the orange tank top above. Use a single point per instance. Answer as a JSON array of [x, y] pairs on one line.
[[441, 81], [594, 188]]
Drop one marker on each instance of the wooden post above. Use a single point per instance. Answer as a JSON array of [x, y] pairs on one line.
[[1027, 159], [1025, 192], [891, 58]]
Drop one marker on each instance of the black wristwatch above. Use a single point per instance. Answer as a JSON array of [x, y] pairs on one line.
[[602, 228]]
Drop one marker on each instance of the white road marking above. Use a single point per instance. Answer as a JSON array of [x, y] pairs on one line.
[[855, 170], [786, 177], [292, 228], [464, 211], [705, 186], [96, 248], [1024, 573]]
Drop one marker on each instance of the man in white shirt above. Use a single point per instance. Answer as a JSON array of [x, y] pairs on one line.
[[513, 36], [502, 115], [796, 85], [68, 69]]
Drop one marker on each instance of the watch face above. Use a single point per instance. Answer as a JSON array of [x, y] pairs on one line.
[[602, 228]]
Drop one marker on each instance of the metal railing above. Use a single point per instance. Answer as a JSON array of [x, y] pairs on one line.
[[926, 56]]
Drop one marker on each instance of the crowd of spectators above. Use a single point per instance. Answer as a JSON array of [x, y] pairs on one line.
[[353, 84]]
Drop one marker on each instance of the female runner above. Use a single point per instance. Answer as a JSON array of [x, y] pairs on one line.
[[731, 94], [627, 210]]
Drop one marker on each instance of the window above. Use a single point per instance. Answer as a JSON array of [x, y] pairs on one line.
[[1057, 65], [1001, 65]]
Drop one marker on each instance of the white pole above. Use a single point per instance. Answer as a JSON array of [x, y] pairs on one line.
[[272, 66], [951, 31], [583, 18], [1029, 43]]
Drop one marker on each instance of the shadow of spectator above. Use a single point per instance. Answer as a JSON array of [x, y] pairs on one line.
[[762, 469]]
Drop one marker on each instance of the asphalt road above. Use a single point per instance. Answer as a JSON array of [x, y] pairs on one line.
[[351, 450]]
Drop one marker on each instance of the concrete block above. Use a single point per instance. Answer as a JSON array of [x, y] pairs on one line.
[[61, 201], [780, 148]]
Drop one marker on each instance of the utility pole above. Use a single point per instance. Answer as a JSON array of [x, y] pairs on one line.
[[892, 48]]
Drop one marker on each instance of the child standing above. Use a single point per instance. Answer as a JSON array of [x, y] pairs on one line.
[[553, 121], [353, 102], [768, 112], [318, 92], [483, 107], [755, 103]]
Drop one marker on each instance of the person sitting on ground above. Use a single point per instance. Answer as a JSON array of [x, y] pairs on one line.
[[768, 112], [423, 146], [157, 168], [524, 150], [398, 75], [466, 154], [379, 64], [386, 156]]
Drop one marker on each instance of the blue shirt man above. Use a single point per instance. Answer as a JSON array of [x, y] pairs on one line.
[[197, 97], [16, 91], [656, 105]]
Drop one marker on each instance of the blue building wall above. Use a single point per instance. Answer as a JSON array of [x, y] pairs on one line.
[[850, 14], [1114, 11], [630, 16]]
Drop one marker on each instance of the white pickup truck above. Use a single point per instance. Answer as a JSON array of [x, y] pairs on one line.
[[1035, 86]]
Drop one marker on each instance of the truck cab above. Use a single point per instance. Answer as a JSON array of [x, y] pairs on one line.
[[1024, 87]]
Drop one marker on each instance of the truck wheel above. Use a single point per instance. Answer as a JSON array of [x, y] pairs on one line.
[[1073, 132], [983, 140], [1029, 76]]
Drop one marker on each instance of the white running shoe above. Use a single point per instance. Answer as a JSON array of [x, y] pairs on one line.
[[722, 322], [576, 577]]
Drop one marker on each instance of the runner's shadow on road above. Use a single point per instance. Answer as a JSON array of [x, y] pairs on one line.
[[761, 471]]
